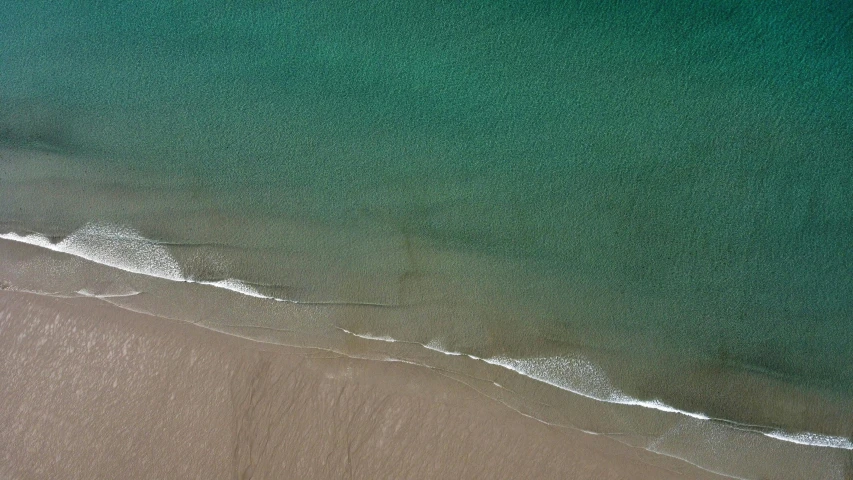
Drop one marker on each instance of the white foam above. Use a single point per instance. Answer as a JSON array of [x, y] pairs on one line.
[[812, 439], [125, 249], [237, 286], [367, 336], [579, 376], [87, 293], [111, 245], [573, 374], [435, 346], [582, 377]]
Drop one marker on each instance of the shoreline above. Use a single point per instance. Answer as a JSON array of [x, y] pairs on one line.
[[467, 240], [162, 386], [738, 450], [137, 255]]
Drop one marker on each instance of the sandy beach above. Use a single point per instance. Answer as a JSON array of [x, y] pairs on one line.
[[339, 239], [93, 391]]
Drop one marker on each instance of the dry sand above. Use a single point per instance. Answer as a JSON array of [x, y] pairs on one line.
[[92, 391]]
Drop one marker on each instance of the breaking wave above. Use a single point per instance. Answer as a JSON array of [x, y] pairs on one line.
[[126, 249]]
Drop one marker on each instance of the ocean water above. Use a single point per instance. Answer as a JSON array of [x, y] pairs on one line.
[[646, 204]]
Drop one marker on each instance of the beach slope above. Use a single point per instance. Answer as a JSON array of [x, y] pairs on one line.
[[93, 391]]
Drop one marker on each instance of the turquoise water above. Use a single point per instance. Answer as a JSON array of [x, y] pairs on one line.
[[674, 180]]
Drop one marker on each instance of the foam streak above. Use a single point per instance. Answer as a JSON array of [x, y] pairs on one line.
[[125, 249]]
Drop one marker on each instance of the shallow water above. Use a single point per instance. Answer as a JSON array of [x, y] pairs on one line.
[[658, 192]]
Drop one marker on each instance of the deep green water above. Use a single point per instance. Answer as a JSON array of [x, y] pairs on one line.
[[689, 162]]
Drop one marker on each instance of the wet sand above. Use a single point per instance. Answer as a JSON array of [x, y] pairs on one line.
[[93, 391]]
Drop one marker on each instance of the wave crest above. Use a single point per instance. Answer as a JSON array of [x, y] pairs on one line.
[[111, 245], [126, 249]]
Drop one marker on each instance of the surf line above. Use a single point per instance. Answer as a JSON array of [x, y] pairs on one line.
[[537, 369], [125, 249]]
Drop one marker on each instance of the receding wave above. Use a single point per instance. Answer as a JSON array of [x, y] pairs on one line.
[[813, 439], [581, 377], [126, 249], [573, 374], [112, 245]]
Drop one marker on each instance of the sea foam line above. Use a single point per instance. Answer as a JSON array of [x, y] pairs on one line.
[[125, 249], [590, 382], [598, 387], [812, 439]]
